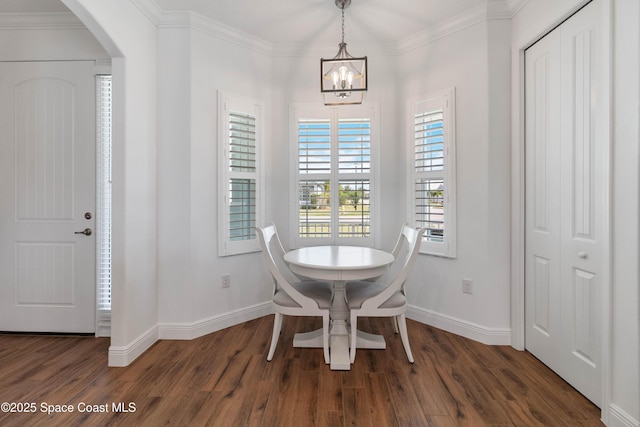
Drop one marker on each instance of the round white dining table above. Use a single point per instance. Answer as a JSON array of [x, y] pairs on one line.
[[339, 264]]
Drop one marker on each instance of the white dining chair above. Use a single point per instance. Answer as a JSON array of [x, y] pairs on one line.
[[386, 297], [292, 297]]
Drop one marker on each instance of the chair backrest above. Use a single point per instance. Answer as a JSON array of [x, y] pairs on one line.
[[412, 237], [273, 253]]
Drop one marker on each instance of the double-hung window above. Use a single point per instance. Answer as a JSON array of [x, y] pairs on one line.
[[241, 187], [431, 180], [334, 194]]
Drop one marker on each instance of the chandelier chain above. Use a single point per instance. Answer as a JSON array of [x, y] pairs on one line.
[[342, 24]]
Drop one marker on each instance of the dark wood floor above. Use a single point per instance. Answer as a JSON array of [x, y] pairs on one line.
[[223, 379]]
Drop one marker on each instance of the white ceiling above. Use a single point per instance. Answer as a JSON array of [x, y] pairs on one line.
[[304, 21], [318, 21]]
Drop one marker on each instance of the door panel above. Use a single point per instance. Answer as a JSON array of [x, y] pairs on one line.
[[542, 274], [47, 152], [565, 186], [581, 217]]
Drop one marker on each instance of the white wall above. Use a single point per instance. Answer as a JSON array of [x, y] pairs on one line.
[[622, 385], [130, 39], [475, 62], [625, 294], [194, 66], [70, 41]]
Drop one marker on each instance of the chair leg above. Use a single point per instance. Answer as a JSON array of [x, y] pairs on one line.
[[325, 337], [277, 325], [354, 333], [394, 320], [402, 325]]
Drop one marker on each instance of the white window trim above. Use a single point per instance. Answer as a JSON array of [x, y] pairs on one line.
[[304, 110], [444, 100], [227, 103]]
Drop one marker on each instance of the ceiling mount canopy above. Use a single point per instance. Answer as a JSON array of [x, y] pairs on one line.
[[343, 78]]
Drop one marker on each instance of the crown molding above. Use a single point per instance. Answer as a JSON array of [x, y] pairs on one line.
[[491, 10], [40, 21], [457, 23], [197, 22], [150, 9], [515, 6]]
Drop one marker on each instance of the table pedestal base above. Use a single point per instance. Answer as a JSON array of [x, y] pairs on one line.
[[339, 345]]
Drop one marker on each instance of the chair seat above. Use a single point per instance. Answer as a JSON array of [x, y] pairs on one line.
[[358, 292], [319, 291]]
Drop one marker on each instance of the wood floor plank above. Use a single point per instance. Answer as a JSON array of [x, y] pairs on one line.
[[357, 406], [382, 409], [223, 379]]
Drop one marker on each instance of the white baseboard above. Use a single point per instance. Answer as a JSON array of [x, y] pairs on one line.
[[124, 355], [619, 418], [489, 336], [189, 331]]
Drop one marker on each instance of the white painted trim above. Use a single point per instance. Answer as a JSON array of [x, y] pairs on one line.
[[515, 6], [189, 331], [40, 21], [445, 100], [226, 103], [334, 114], [473, 331], [124, 355], [186, 19], [620, 418], [473, 16]]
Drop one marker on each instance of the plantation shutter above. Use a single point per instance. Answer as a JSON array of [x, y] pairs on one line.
[[103, 202]]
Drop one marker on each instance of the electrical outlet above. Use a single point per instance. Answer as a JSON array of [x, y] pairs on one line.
[[467, 286], [226, 280]]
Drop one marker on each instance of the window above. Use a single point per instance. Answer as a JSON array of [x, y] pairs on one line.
[[103, 203], [334, 191], [240, 182], [431, 131]]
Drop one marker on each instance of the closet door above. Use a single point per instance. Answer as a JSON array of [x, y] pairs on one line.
[[565, 201]]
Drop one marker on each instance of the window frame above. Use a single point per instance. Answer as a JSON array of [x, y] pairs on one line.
[[443, 100], [243, 105], [335, 114]]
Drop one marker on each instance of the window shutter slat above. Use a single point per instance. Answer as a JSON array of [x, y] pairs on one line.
[[103, 202], [314, 146], [429, 141], [242, 200], [242, 142]]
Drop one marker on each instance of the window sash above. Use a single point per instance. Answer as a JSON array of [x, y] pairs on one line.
[[334, 152], [431, 130], [354, 146], [240, 181], [429, 141]]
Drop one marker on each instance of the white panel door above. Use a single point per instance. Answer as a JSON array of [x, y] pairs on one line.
[[47, 196], [565, 204]]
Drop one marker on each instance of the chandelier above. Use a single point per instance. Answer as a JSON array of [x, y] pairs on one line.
[[343, 78]]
